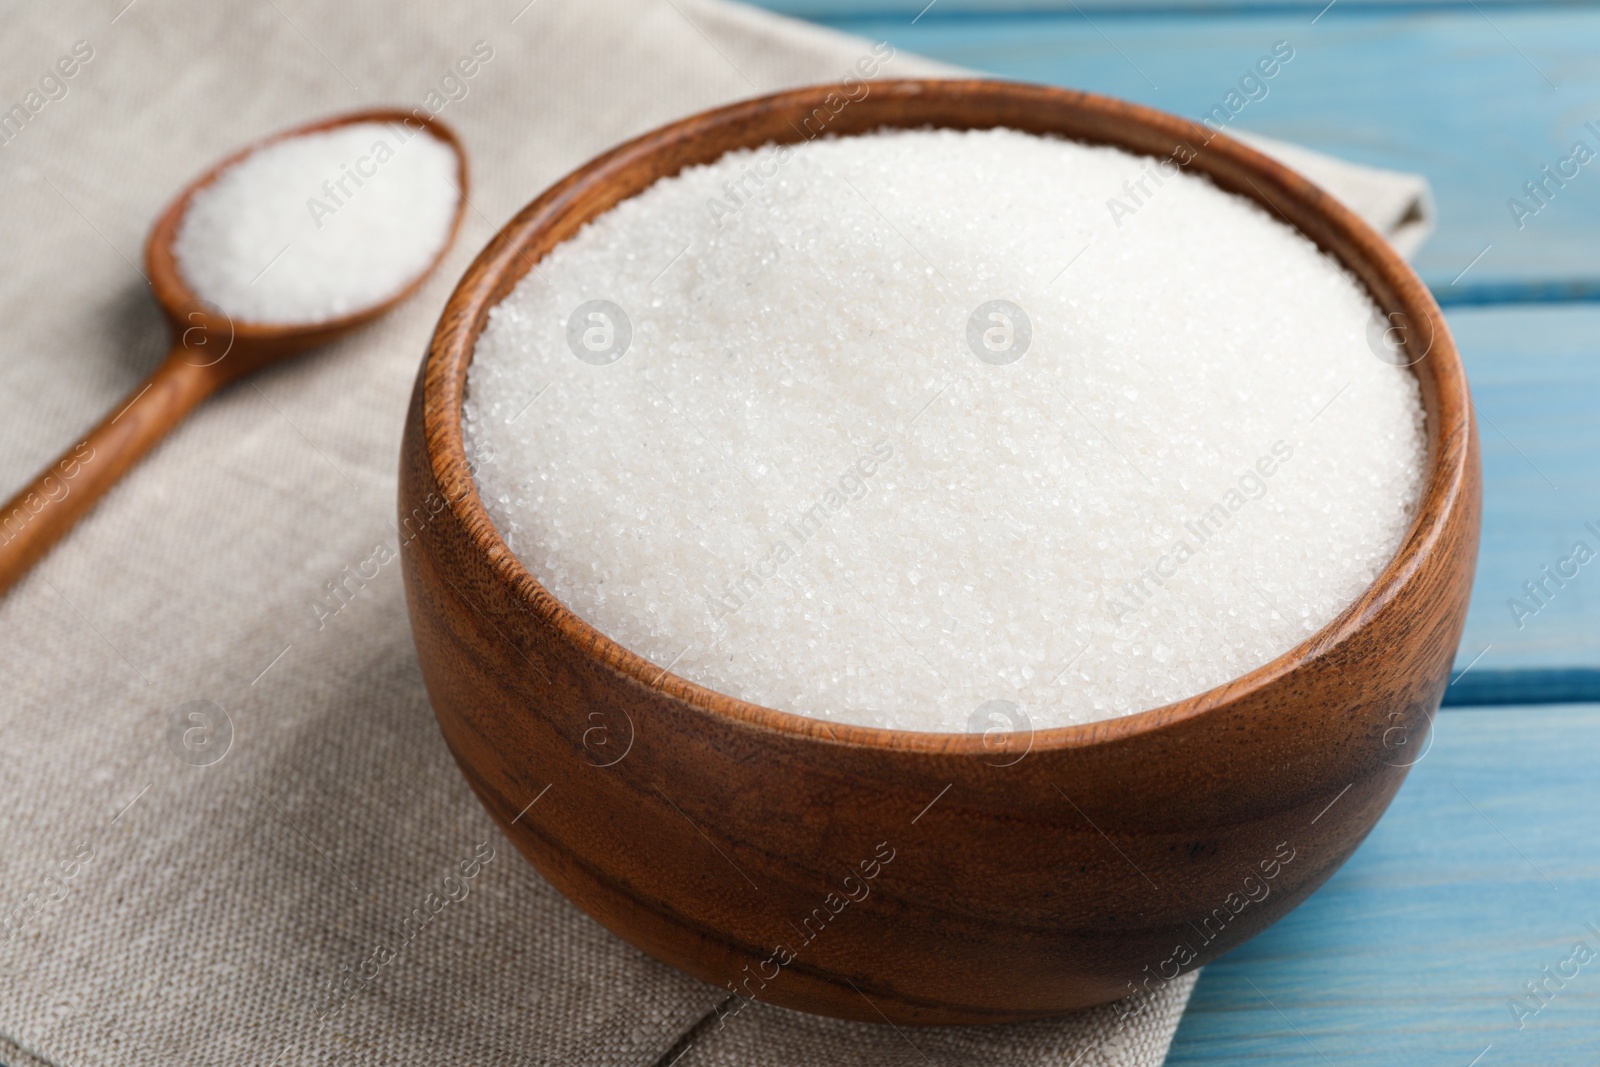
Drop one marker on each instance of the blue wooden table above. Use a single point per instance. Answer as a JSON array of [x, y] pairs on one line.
[[1486, 871]]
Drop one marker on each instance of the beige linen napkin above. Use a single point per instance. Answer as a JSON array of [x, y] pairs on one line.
[[315, 883]]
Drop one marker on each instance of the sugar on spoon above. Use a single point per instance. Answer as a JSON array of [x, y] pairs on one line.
[[283, 246]]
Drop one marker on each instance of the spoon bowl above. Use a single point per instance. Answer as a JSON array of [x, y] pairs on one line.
[[209, 348], [250, 345]]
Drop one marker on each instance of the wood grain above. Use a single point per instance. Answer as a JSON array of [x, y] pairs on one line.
[[1012, 892]]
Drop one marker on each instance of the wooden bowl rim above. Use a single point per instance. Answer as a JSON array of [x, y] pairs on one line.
[[443, 384], [177, 298]]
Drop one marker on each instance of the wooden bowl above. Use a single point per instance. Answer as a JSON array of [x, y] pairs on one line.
[[875, 874]]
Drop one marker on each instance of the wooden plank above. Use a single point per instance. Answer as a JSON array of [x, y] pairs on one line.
[[1478, 877], [1535, 374], [1464, 94], [1549, 685], [1527, 291]]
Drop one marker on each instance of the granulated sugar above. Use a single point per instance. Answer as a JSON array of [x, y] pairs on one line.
[[319, 226], [764, 425]]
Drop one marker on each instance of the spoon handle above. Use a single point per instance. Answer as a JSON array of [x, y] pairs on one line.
[[47, 508]]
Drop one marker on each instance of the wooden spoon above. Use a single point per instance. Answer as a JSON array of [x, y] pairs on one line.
[[209, 350]]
